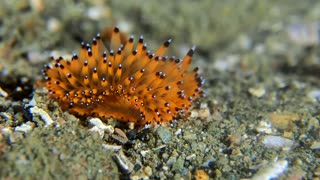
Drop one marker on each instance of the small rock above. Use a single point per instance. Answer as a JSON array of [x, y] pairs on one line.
[[36, 111], [257, 91], [317, 171], [144, 153], [24, 128], [148, 171], [95, 129], [315, 145], [98, 12], [314, 95], [3, 93], [111, 147], [264, 127], [191, 157], [54, 25], [271, 171], [120, 136], [178, 165], [201, 175], [164, 134], [282, 121], [277, 141], [124, 163], [97, 122]]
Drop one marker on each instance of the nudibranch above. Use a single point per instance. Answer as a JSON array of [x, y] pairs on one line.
[[124, 81]]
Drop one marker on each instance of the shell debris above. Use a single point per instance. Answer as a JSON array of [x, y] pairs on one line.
[[271, 171], [36, 111]]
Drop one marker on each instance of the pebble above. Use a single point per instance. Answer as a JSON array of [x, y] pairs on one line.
[[144, 153], [95, 129], [191, 157], [120, 136], [271, 171], [178, 132], [147, 170], [7, 116], [24, 128], [314, 95], [277, 141], [317, 172], [164, 134], [257, 91], [200, 174], [264, 127], [6, 131], [178, 165], [124, 163], [282, 120], [3, 93], [159, 148], [36, 111], [98, 12], [99, 124], [37, 5], [173, 158], [315, 145], [54, 25], [111, 147]]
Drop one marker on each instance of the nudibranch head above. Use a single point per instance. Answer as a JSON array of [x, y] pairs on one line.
[[125, 81]]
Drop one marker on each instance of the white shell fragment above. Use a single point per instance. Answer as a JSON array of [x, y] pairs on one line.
[[36, 111], [120, 136], [99, 124], [6, 131], [124, 162], [24, 128], [111, 147], [271, 171], [3, 93], [265, 127], [95, 129], [277, 141]]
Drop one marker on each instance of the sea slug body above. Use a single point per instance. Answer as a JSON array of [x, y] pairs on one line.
[[125, 81]]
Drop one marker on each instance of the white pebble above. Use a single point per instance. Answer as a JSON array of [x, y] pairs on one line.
[[124, 162], [97, 122], [191, 157], [264, 127], [35, 111], [98, 12], [95, 129], [271, 171], [144, 153], [178, 132], [277, 141], [3, 93], [54, 25], [24, 128], [257, 91], [111, 147], [6, 131]]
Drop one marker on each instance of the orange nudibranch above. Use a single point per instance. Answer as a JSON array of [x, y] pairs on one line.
[[124, 81]]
